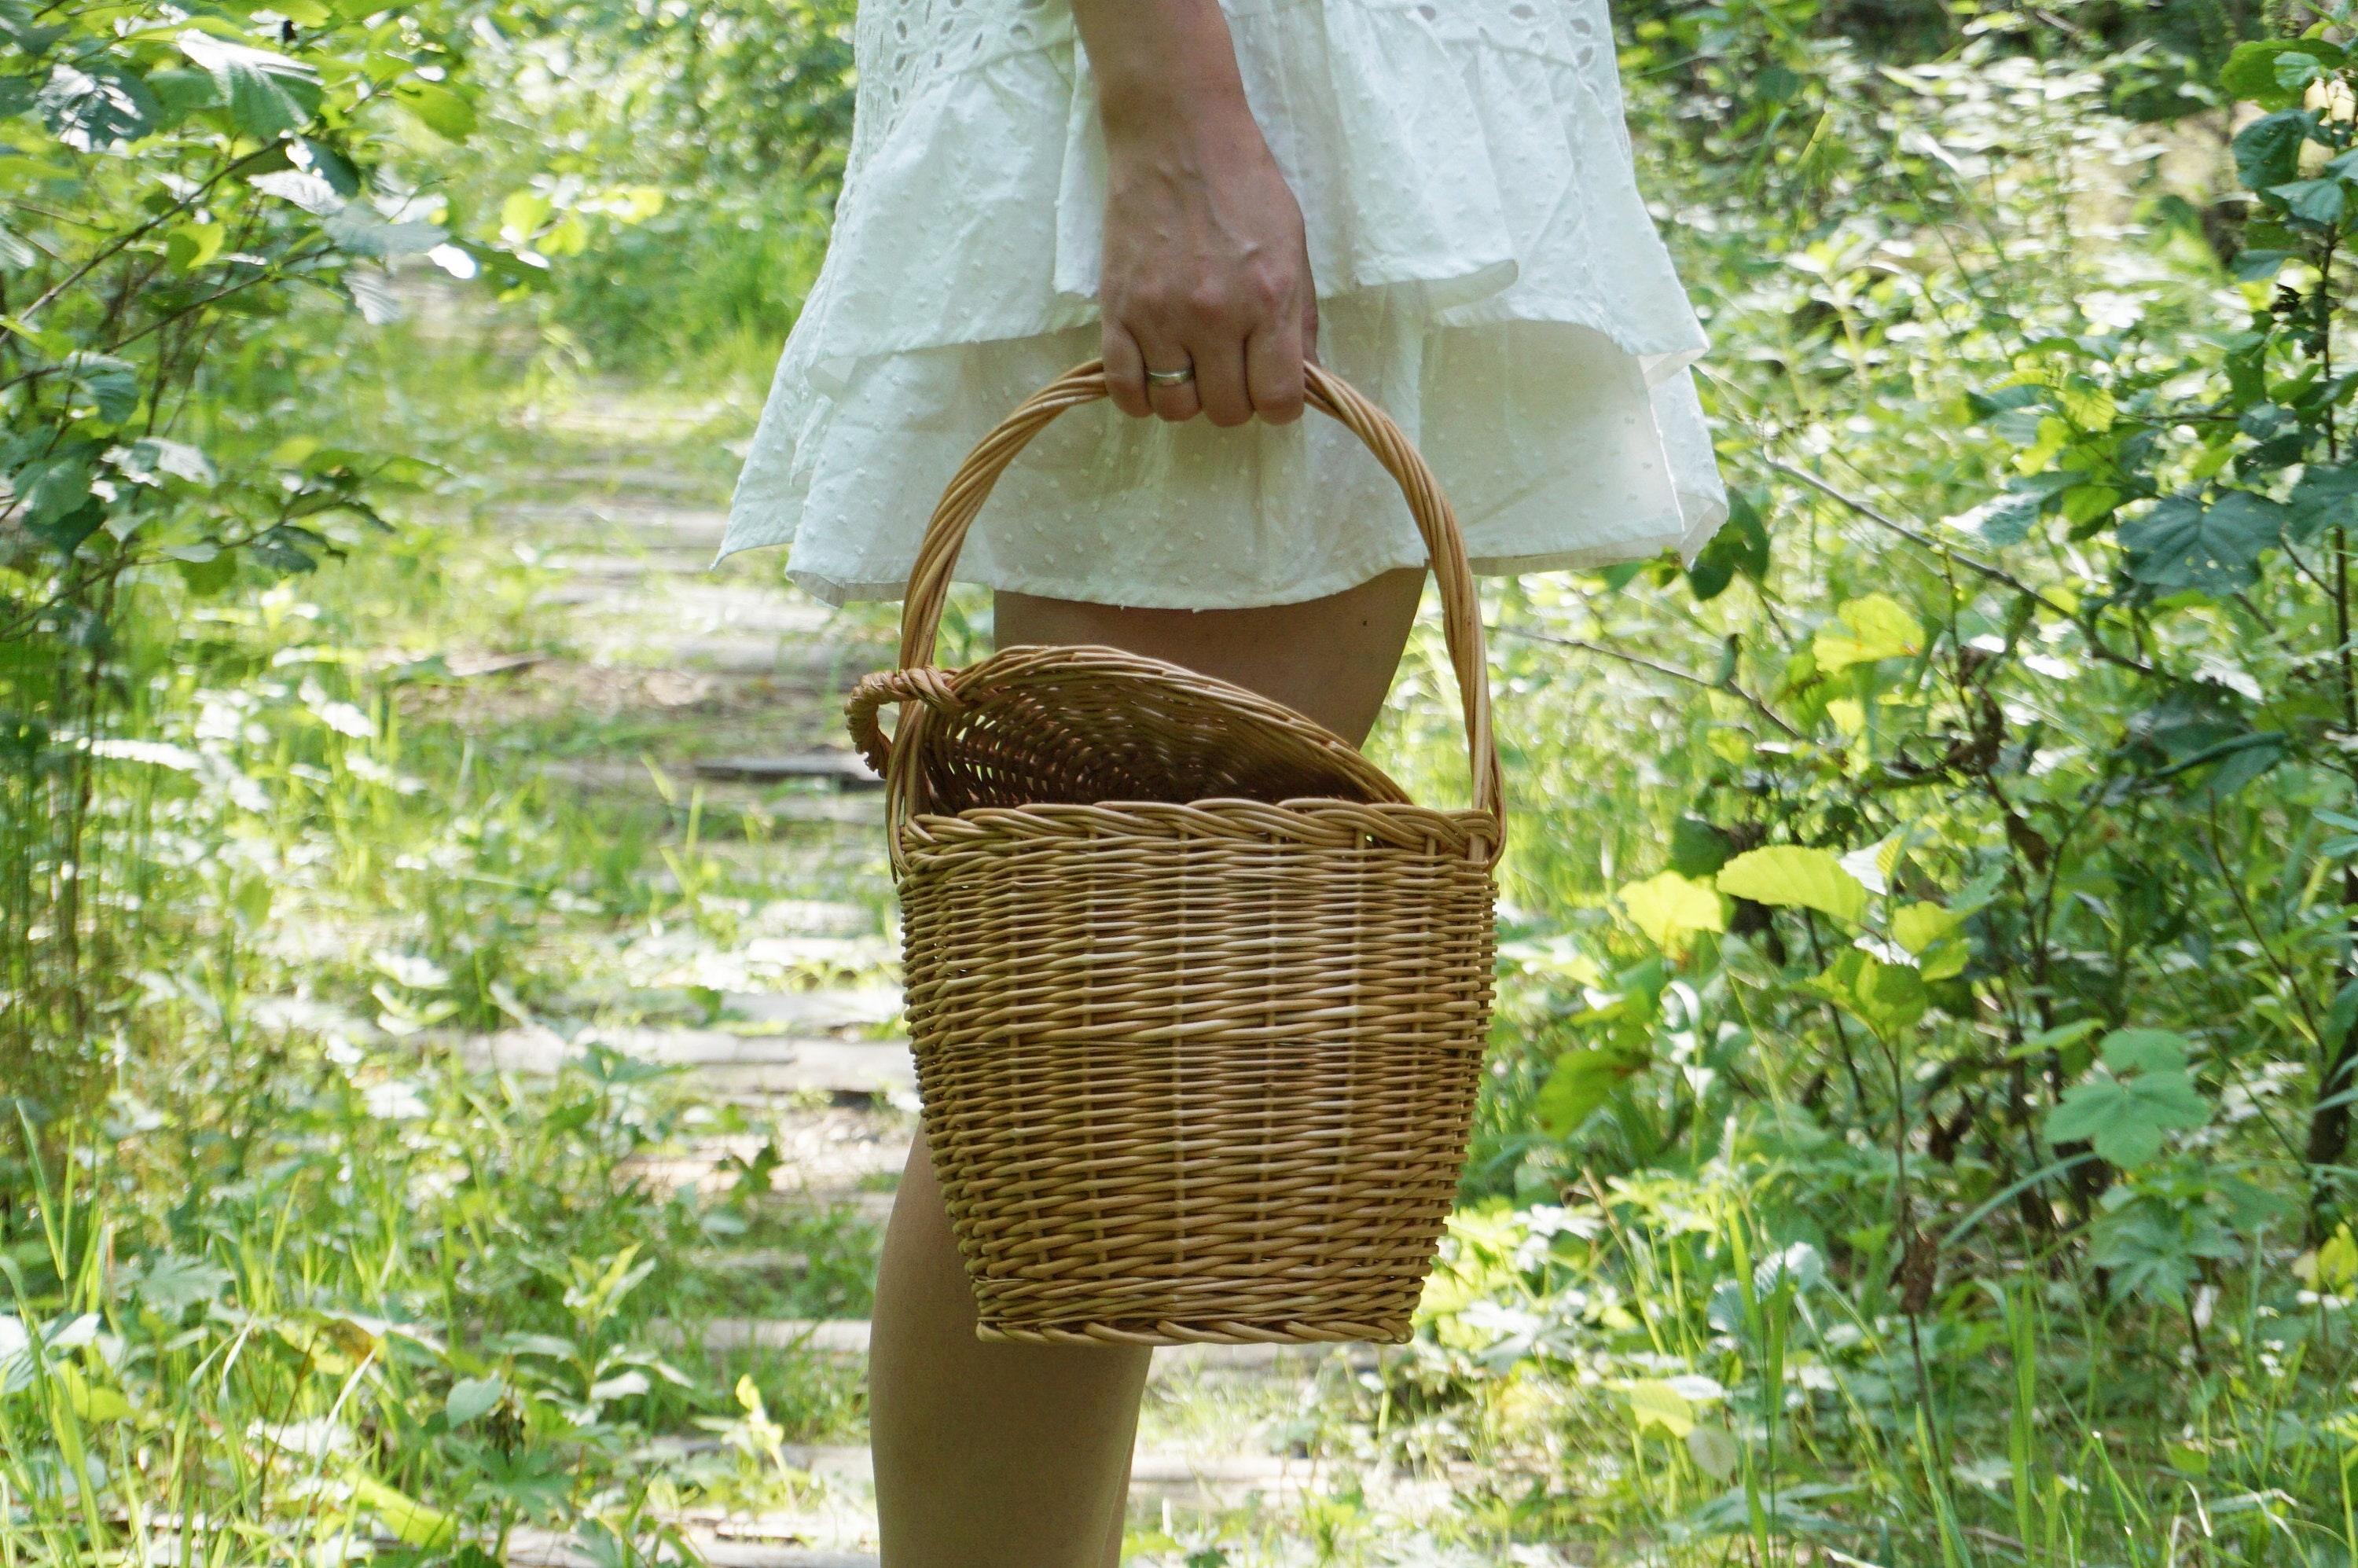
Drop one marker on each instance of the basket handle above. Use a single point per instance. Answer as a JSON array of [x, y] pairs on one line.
[[918, 681]]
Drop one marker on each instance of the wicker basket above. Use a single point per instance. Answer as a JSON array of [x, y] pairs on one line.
[[1198, 996]]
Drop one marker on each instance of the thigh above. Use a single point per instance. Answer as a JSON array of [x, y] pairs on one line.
[[1329, 658]]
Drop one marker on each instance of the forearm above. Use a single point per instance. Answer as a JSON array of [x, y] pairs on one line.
[[1160, 65]]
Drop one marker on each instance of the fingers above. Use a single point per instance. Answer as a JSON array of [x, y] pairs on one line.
[[1243, 362], [1125, 370], [1174, 401], [1273, 365]]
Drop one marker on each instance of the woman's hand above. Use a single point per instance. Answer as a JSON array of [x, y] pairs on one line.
[[1205, 267]]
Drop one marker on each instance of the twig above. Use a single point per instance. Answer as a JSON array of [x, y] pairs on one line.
[[1971, 564], [1643, 663]]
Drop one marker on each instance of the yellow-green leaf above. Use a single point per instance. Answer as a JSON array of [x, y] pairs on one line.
[[1656, 1403], [1874, 627], [1669, 906], [438, 109], [92, 1402], [1789, 876], [1918, 925], [412, 1521]]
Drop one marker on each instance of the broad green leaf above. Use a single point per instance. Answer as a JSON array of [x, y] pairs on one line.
[[2267, 151], [438, 109], [92, 109], [191, 245], [411, 1522], [1655, 1403], [2182, 543], [89, 1401], [1886, 997], [1790, 876], [521, 214], [2255, 71], [152, 459], [1714, 1451], [1582, 1080], [113, 384], [471, 1397], [1698, 848], [1669, 906], [2326, 497], [360, 232], [1874, 627], [2086, 403], [2140, 1091], [267, 93], [2312, 200], [171, 1285], [2144, 1051], [1918, 925]]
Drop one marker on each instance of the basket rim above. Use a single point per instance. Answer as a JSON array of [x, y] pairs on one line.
[[1317, 824]]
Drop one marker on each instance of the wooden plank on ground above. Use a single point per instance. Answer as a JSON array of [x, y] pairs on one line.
[[847, 768], [721, 1062]]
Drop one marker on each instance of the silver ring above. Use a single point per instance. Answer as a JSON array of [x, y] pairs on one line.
[[1172, 377]]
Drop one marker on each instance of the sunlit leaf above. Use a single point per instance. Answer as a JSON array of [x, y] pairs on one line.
[[90, 110], [1655, 1403], [411, 1522], [1790, 876], [1874, 627], [1669, 906]]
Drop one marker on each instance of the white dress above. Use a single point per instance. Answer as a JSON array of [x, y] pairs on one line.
[[1486, 271]]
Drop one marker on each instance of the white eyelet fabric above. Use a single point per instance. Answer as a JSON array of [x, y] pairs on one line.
[[1486, 271]]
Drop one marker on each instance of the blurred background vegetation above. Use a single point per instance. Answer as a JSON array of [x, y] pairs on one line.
[[1920, 1123]]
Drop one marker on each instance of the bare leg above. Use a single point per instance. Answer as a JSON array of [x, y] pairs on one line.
[[1018, 1456]]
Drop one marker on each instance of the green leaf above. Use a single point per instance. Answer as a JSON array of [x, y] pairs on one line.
[[267, 94], [1886, 997], [92, 109], [1582, 1080], [2267, 151], [112, 384], [1874, 627], [1667, 907], [171, 1283], [2312, 200], [471, 1397], [2139, 1091], [1789, 875], [1918, 925], [1655, 1403], [438, 109], [360, 232], [412, 1522], [1697, 848], [2326, 497], [1740, 546], [2144, 1051], [2182, 543], [2257, 72]]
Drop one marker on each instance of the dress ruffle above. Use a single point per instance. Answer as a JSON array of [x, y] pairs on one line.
[[1486, 271]]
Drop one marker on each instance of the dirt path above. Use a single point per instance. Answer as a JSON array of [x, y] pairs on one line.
[[699, 712]]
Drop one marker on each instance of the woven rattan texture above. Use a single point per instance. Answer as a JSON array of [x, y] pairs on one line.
[[1075, 726], [1193, 1073], [1198, 998]]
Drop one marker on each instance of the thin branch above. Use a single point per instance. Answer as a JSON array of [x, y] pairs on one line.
[[1971, 564], [1643, 663]]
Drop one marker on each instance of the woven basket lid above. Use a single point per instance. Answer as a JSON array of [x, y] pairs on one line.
[[1077, 726]]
